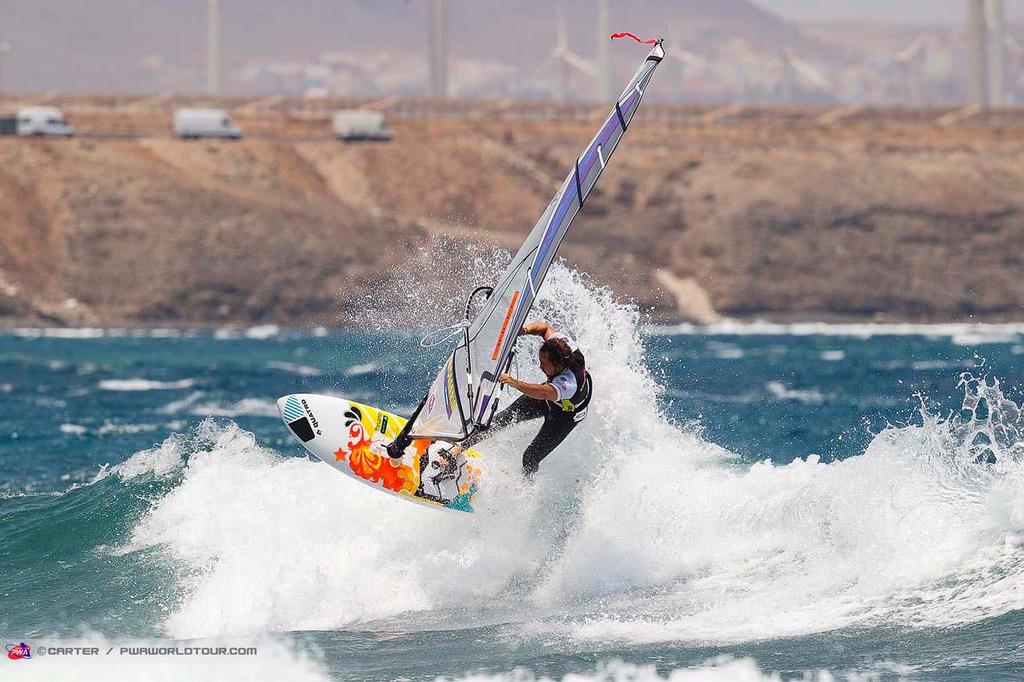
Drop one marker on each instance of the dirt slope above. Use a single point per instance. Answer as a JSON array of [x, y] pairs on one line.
[[901, 221]]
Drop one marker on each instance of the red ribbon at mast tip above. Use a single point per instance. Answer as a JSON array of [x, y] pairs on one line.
[[627, 34]]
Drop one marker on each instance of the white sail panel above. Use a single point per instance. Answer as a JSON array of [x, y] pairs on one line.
[[444, 414]]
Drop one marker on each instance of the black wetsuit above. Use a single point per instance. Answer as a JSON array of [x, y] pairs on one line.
[[560, 418]]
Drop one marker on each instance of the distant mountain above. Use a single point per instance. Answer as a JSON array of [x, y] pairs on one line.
[[155, 45], [733, 50]]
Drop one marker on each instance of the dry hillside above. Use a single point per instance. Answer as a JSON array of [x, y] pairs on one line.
[[870, 218]]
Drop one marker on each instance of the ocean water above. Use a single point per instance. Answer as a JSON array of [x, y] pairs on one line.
[[744, 502]]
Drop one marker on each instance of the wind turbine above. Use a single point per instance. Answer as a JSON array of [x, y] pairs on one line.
[[5, 47], [977, 55], [758, 77], [929, 57], [438, 44], [213, 47], [794, 63], [905, 60], [684, 58], [565, 59], [604, 59], [996, 52], [1016, 76]]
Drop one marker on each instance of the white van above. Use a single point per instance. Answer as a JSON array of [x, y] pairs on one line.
[[361, 124], [43, 121], [193, 123]]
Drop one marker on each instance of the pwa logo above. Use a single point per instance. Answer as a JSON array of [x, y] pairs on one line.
[[19, 651]]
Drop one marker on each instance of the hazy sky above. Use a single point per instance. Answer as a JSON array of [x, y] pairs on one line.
[[892, 11]]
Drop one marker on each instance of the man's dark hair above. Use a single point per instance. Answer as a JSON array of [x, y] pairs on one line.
[[558, 351]]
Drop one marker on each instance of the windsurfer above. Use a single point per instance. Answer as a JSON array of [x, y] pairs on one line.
[[561, 401]]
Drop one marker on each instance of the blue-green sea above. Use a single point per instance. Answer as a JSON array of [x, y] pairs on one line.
[[745, 501]]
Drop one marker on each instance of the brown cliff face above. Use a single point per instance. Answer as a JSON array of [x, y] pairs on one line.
[[875, 219]]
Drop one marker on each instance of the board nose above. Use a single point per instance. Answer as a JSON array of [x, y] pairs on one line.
[[290, 407]]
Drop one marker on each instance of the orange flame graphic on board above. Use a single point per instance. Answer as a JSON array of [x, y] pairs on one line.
[[371, 466]]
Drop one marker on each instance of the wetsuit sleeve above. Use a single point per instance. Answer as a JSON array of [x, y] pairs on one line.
[[565, 384]]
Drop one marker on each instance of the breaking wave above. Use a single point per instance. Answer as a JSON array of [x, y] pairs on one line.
[[637, 529]]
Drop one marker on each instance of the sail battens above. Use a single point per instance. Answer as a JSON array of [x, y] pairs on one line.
[[622, 120], [579, 190], [486, 348]]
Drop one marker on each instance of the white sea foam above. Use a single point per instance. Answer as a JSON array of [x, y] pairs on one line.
[[728, 353], [965, 333], [723, 669], [743, 670], [264, 331], [144, 384], [295, 368], [923, 365], [246, 407], [779, 391], [73, 429], [159, 461], [109, 426], [178, 406], [644, 530], [98, 332], [980, 336], [59, 332]]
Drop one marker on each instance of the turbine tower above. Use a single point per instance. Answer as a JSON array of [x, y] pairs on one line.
[[604, 65], [5, 47], [1017, 74], [213, 47], [996, 53], [438, 49], [565, 59], [978, 58]]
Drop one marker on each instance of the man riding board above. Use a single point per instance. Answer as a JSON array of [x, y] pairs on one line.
[[561, 401]]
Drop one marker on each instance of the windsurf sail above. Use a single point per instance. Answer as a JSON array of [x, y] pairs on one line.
[[465, 392]]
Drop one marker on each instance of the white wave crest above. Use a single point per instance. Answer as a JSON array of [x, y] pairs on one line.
[[961, 333], [722, 669], [194, 405], [144, 384], [246, 407], [295, 368], [634, 530], [780, 391]]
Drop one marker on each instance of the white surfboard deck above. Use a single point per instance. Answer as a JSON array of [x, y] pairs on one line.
[[352, 437]]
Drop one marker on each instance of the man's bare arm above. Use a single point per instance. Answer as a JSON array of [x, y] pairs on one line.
[[538, 328], [538, 391]]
